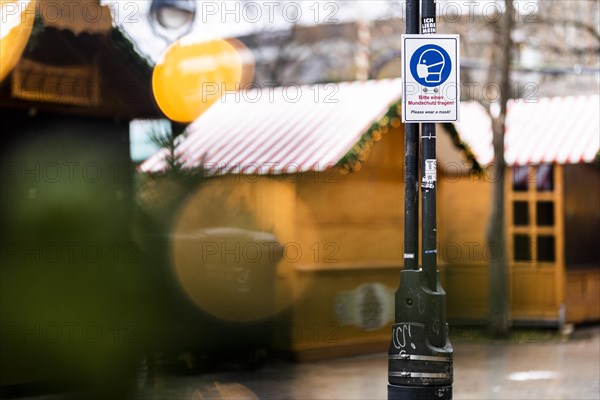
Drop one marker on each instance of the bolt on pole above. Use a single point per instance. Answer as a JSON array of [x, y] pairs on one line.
[[420, 365]]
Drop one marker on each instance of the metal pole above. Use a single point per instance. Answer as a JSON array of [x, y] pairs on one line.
[[420, 365], [429, 180], [411, 165]]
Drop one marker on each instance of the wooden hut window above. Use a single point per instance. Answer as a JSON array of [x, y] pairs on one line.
[[545, 213], [533, 208], [520, 179], [522, 248], [520, 213], [545, 178], [545, 248]]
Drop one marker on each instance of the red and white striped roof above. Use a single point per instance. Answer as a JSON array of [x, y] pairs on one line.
[[303, 128], [282, 130], [563, 130]]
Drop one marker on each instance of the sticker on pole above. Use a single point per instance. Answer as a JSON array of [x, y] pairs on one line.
[[431, 78]]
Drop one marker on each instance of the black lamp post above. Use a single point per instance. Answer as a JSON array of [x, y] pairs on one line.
[[420, 363]]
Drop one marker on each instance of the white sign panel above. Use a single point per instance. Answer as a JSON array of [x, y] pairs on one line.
[[431, 72]]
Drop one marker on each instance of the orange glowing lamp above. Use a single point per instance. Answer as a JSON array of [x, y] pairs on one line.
[[16, 23], [193, 75]]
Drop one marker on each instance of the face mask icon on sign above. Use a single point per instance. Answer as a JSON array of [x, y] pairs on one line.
[[430, 66]]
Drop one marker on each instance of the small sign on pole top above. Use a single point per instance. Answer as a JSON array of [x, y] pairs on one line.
[[431, 78]]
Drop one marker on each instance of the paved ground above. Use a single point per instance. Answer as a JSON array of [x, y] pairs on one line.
[[530, 365]]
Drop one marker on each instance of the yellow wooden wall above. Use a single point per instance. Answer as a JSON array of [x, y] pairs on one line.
[[463, 208], [582, 298], [274, 206], [360, 215]]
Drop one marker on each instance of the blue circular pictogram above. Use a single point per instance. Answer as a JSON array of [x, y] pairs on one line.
[[430, 65]]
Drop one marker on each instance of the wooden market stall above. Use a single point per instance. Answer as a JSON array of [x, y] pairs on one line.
[[552, 213], [325, 176], [301, 170]]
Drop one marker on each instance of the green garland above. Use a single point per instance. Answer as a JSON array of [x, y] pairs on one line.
[[36, 30], [351, 161], [359, 152], [456, 140], [118, 38], [125, 46]]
